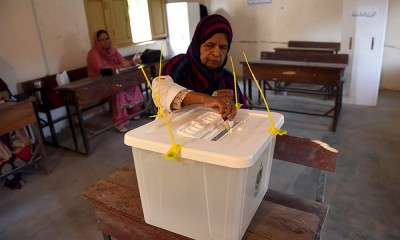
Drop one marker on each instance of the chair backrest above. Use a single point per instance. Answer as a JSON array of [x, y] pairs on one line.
[[307, 152], [49, 83]]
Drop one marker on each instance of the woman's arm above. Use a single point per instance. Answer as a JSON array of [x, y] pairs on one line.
[[94, 63], [221, 101], [168, 90], [122, 62]]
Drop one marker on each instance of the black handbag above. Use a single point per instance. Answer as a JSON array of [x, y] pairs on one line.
[[150, 56]]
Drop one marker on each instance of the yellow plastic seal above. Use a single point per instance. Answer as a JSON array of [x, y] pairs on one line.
[[273, 129]]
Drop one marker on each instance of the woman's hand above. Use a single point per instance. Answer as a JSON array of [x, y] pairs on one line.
[[226, 93], [222, 101]]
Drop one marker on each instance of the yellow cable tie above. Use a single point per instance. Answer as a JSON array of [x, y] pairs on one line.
[[157, 99], [173, 152], [273, 129], [175, 148], [237, 104]]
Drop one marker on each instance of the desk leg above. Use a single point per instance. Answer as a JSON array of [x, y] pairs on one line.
[[83, 132], [51, 127], [247, 92], [72, 127], [244, 88], [250, 93], [250, 89], [319, 197], [337, 107], [36, 132], [39, 124], [340, 91]]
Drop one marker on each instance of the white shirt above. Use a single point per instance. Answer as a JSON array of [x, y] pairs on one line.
[[171, 94]]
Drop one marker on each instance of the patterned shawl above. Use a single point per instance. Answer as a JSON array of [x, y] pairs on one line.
[[187, 69]]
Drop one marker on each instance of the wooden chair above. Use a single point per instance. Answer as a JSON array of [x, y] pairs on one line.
[[314, 154]]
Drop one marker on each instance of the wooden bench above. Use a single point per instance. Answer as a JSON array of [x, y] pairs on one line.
[[314, 44], [281, 216], [51, 100], [309, 153], [119, 214]]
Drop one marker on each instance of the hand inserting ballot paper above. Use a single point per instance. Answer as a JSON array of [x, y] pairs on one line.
[[226, 96]]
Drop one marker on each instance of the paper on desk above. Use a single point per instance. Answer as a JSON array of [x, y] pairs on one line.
[[62, 78]]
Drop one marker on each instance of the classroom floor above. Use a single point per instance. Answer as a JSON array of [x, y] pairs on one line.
[[363, 193]]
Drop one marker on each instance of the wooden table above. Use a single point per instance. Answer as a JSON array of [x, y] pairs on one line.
[[15, 115], [89, 91], [327, 74], [119, 214]]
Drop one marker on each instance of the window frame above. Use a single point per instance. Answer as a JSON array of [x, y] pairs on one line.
[[100, 14]]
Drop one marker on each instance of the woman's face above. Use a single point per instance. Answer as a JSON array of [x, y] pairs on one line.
[[213, 51], [104, 41]]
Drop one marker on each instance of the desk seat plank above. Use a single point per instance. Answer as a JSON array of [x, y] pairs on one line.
[[119, 213], [290, 201], [14, 115], [273, 221], [126, 177]]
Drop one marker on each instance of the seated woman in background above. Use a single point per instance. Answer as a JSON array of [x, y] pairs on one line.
[[104, 55], [199, 77]]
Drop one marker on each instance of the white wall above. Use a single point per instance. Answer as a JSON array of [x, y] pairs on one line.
[[265, 26], [40, 37], [43, 37], [391, 56], [20, 52]]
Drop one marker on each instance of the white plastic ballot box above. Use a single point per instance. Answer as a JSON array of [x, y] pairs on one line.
[[215, 188]]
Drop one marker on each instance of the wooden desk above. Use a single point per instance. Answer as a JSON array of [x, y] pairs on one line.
[[327, 74], [304, 49], [15, 115], [119, 214], [88, 91]]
